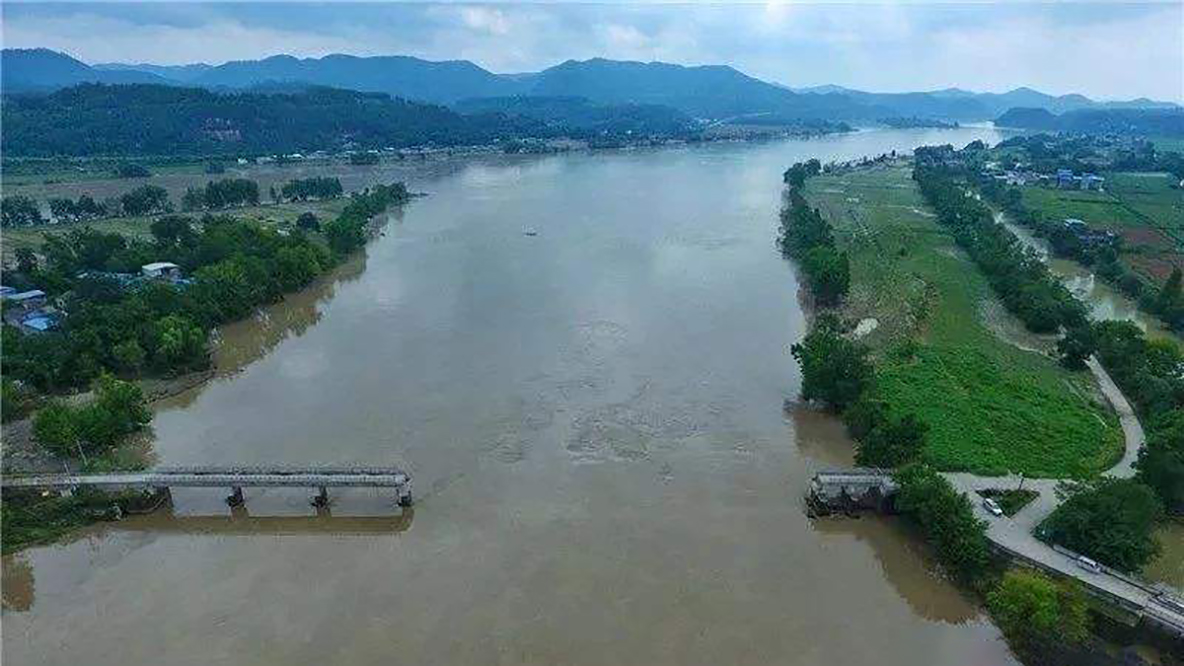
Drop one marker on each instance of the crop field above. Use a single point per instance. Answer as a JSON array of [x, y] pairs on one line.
[[946, 350], [1144, 207], [279, 215]]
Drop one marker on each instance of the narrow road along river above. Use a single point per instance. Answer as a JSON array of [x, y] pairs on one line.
[[594, 417]]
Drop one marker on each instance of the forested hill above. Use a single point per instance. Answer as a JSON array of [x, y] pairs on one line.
[[582, 114], [1145, 122], [93, 119]]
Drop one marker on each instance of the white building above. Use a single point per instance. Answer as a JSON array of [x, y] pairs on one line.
[[161, 270]]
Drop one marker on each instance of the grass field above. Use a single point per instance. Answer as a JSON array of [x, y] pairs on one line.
[[284, 214], [991, 406], [1143, 207]]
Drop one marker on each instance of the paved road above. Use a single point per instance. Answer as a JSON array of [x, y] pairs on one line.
[[1015, 533]]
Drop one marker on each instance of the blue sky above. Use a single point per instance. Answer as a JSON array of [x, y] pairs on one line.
[[1105, 50]]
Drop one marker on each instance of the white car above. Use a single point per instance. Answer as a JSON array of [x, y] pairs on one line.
[[1088, 564], [992, 506]]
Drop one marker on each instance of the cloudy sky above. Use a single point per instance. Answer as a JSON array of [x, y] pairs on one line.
[[1105, 50]]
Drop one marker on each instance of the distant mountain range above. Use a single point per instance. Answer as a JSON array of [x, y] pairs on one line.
[[710, 92], [1155, 121]]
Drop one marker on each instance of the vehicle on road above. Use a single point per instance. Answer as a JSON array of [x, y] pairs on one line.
[[992, 506], [1088, 564]]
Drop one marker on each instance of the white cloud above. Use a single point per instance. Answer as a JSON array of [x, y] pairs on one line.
[[1106, 50]]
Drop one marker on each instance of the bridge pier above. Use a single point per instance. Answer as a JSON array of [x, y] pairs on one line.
[[236, 496]]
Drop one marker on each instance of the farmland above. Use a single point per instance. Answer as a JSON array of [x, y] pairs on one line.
[[1144, 208], [994, 400]]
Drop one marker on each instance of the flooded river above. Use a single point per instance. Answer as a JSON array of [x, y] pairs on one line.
[[595, 419]]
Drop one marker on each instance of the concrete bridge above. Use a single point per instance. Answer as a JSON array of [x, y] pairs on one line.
[[865, 488], [234, 478]]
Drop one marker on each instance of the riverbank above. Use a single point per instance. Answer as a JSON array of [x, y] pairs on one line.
[[995, 400]]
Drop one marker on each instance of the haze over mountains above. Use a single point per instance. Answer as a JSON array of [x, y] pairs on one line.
[[711, 92]]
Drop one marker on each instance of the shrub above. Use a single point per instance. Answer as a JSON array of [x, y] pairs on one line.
[[892, 442], [1031, 609]]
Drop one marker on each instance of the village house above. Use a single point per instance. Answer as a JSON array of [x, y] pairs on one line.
[[29, 311], [161, 270]]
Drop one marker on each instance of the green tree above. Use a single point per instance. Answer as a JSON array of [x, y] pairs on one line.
[[179, 342], [54, 428], [1033, 610], [1161, 460], [129, 355], [344, 234], [308, 221], [829, 272], [835, 370], [1110, 520], [1170, 295], [117, 411], [1076, 346]]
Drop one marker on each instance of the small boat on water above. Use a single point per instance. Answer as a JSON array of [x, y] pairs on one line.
[[529, 232]]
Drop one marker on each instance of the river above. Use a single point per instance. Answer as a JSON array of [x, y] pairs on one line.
[[595, 418]]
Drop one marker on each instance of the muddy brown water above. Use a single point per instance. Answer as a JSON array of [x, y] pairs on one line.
[[595, 419]]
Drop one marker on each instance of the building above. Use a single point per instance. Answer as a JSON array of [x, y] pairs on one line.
[[1091, 181], [29, 311], [1066, 180], [161, 270], [26, 301]]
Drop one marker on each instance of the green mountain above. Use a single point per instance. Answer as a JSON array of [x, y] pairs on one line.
[[93, 119], [1145, 122], [30, 70], [715, 92], [401, 76]]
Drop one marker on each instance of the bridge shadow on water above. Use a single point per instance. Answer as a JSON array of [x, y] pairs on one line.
[[18, 586], [240, 521]]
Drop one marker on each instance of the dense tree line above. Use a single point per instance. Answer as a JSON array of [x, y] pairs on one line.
[[947, 519], [161, 327], [129, 170], [220, 194], [347, 232], [19, 210], [317, 187], [145, 200], [1151, 375], [808, 238], [1017, 275], [84, 209]]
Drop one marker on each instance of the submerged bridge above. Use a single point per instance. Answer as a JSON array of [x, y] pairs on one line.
[[234, 478]]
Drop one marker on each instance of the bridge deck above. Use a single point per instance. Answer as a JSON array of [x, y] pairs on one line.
[[223, 477]]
